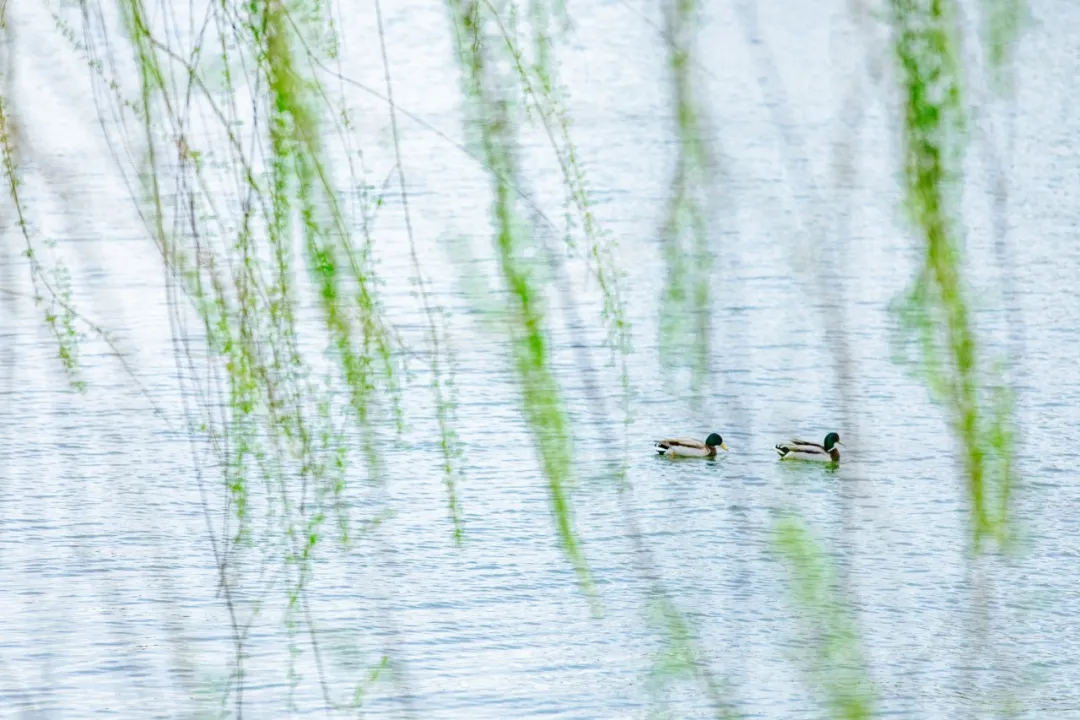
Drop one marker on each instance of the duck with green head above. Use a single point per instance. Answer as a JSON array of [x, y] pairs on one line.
[[805, 450], [688, 447]]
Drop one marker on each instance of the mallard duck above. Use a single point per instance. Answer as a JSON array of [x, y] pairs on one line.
[[688, 447], [803, 450]]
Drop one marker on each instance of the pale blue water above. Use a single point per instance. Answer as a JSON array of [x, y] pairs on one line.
[[109, 588]]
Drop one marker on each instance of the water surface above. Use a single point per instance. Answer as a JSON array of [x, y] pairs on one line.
[[111, 596]]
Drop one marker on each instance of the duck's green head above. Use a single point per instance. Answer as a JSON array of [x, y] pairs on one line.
[[715, 440], [832, 439]]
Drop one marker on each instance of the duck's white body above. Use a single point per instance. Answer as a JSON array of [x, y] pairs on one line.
[[799, 455]]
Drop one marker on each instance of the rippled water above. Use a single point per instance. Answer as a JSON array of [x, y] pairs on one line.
[[109, 590]]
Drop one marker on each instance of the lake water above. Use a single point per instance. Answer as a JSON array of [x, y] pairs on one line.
[[110, 595]]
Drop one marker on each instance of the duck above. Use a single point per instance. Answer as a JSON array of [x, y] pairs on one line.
[[804, 450], [688, 447]]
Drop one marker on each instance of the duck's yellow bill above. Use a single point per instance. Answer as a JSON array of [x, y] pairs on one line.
[[722, 445]]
